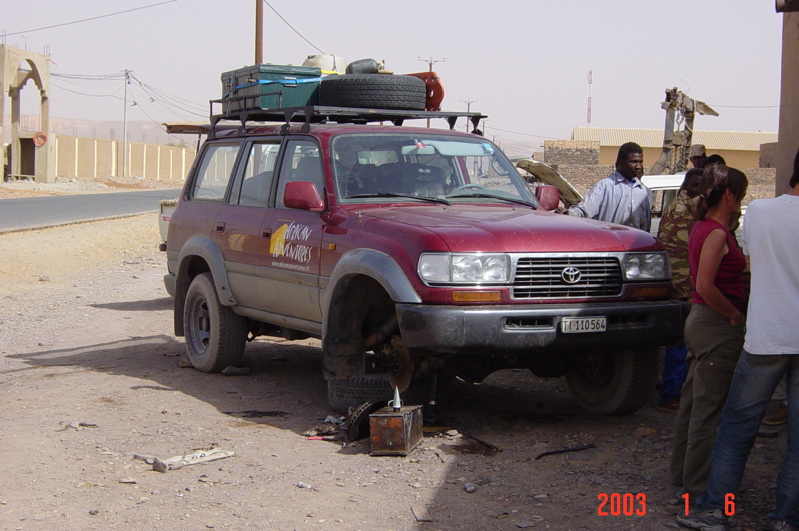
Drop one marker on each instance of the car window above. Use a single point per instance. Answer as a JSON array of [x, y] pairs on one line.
[[258, 173], [214, 172], [382, 167], [301, 162]]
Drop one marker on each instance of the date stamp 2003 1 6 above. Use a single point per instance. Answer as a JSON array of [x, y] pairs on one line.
[[629, 504]]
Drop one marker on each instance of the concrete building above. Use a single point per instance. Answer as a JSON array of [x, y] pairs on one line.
[[739, 149], [30, 154]]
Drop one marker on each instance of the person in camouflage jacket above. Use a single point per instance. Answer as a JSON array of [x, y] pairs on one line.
[[675, 226]]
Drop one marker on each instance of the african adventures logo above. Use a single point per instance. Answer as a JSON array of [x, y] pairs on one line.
[[288, 243]]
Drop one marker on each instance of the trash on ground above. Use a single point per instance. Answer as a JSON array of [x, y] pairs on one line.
[[255, 413], [577, 449], [320, 430], [179, 461], [421, 514], [230, 370]]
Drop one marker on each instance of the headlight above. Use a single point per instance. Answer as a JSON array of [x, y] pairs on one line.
[[646, 266], [464, 268]]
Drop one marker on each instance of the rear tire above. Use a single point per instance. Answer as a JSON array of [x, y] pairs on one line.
[[373, 91], [215, 335], [613, 382]]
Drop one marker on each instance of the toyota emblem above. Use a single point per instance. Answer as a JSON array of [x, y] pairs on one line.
[[571, 275]]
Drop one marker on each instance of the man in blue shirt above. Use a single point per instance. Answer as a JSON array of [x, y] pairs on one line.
[[621, 197]]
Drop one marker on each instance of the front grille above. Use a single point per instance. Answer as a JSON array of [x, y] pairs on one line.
[[542, 277]]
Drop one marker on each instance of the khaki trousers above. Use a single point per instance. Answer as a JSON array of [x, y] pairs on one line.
[[714, 347]]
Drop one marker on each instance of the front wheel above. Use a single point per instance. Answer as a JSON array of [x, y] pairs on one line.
[[215, 335], [613, 382]]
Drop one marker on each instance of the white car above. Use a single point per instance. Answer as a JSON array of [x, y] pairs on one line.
[[664, 189]]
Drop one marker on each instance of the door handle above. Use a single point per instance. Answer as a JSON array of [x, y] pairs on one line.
[[220, 227], [266, 233]]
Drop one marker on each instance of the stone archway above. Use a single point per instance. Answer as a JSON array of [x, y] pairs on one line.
[[31, 154]]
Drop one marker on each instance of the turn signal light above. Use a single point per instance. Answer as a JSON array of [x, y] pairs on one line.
[[476, 296], [650, 293]]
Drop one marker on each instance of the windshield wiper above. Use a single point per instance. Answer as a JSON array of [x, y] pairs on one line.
[[492, 196], [407, 196]]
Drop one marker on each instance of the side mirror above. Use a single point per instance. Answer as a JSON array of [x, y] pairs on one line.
[[303, 195], [548, 196]]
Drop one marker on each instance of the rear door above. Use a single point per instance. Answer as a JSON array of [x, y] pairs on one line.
[[206, 194], [238, 229]]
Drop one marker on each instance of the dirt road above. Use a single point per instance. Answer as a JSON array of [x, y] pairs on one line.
[[90, 376]]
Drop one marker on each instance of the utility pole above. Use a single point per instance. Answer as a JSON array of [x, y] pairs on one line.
[[590, 82], [430, 62], [259, 31], [125, 126], [682, 109], [468, 109]]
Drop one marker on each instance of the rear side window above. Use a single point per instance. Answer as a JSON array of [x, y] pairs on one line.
[[214, 172], [258, 173]]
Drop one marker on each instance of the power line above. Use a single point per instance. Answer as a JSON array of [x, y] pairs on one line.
[[170, 107], [90, 18], [746, 106], [87, 77], [292, 27], [85, 94], [166, 100], [517, 133]]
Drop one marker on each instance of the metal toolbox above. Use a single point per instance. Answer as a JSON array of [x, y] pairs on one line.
[[268, 86], [395, 432]]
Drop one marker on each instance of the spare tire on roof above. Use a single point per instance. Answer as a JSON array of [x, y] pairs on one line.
[[373, 91]]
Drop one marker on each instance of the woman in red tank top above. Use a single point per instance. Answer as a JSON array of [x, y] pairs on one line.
[[714, 330]]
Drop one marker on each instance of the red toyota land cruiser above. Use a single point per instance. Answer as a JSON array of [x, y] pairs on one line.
[[409, 250]]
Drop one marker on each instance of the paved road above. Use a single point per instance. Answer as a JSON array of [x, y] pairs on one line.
[[38, 212]]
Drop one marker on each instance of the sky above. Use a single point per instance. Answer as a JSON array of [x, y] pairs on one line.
[[524, 63]]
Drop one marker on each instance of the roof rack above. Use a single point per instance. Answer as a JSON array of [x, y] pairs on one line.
[[316, 114]]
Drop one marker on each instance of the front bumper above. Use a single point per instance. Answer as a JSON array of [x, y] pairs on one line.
[[512, 329]]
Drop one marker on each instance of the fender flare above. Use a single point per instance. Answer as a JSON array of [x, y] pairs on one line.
[[209, 251], [343, 355], [377, 265]]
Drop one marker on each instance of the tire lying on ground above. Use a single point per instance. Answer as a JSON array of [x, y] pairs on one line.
[[613, 382], [346, 393], [378, 91]]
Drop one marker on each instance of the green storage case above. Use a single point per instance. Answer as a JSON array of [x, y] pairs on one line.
[[270, 86]]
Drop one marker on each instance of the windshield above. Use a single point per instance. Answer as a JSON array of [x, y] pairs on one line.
[[404, 166]]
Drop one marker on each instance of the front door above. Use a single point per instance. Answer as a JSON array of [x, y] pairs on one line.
[[293, 258]]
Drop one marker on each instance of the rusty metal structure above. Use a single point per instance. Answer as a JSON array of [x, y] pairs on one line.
[[680, 111]]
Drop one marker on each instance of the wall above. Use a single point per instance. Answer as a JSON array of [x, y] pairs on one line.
[[571, 152], [735, 159], [92, 158], [768, 155]]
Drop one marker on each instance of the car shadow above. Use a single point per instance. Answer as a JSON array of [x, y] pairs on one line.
[[283, 377], [161, 303]]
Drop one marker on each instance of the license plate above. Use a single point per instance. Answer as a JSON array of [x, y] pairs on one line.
[[582, 325]]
